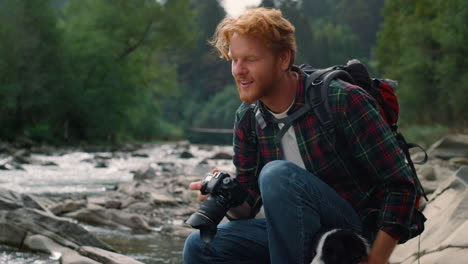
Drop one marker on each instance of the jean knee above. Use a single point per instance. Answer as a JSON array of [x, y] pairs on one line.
[[193, 247], [271, 172], [271, 177]]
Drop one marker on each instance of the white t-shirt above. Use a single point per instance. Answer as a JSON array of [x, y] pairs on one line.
[[289, 142]]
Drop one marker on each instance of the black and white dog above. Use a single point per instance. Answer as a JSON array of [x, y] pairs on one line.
[[341, 246]]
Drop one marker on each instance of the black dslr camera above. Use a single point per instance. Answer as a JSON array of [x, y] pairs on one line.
[[225, 192]]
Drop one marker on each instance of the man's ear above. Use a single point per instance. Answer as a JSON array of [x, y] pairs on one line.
[[284, 59]]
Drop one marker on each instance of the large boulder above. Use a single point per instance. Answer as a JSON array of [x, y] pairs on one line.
[[454, 146], [97, 215], [445, 239], [63, 231]]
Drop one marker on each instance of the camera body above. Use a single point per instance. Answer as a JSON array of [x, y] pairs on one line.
[[224, 192]]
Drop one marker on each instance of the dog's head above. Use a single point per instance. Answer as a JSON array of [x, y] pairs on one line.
[[340, 246]]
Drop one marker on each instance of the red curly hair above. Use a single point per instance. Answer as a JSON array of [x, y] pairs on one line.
[[267, 24]]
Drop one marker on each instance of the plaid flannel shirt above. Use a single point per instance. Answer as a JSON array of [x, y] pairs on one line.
[[365, 165]]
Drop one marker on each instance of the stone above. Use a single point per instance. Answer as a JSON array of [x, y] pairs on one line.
[[63, 254], [427, 173], [221, 155], [97, 215], [159, 198], [186, 155], [446, 227], [146, 174], [458, 161], [450, 147], [140, 155], [49, 163], [106, 257], [61, 230], [67, 206], [113, 204], [101, 164]]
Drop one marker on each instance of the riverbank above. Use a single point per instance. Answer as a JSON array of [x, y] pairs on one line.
[[136, 200]]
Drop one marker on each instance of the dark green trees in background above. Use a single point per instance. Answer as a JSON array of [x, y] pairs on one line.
[[29, 61], [111, 71], [90, 70], [424, 45]]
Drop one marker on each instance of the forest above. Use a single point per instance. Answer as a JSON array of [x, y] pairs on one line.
[[101, 72]]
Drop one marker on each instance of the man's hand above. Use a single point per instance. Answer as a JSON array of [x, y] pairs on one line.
[[382, 248], [197, 186]]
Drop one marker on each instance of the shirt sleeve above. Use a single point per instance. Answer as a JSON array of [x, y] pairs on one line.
[[246, 156], [376, 151]]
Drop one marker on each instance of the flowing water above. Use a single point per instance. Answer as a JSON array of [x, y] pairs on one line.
[[75, 176]]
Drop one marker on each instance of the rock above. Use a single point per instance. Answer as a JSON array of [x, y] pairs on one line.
[[61, 230], [113, 204], [146, 174], [446, 227], [159, 198], [140, 155], [97, 215], [106, 257], [186, 155], [67, 206], [49, 163], [458, 161], [222, 155], [101, 164], [100, 200], [10, 200], [427, 173], [450, 147], [58, 252]]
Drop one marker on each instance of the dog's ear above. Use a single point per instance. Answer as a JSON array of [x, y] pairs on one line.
[[344, 247]]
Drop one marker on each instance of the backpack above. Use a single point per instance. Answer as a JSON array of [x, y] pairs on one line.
[[354, 72]]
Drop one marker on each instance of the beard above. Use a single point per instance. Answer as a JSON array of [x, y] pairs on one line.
[[258, 90]]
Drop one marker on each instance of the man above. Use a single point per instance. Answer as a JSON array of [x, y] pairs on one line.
[[306, 184]]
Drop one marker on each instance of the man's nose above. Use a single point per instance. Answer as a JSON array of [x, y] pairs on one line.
[[238, 68]]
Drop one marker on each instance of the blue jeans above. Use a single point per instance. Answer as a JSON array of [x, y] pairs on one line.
[[298, 206]]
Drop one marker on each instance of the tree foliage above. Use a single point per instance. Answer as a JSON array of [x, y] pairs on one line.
[[90, 70], [423, 45]]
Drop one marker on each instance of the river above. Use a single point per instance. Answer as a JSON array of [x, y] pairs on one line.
[[75, 175]]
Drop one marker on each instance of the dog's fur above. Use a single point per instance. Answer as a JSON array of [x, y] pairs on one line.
[[340, 246]]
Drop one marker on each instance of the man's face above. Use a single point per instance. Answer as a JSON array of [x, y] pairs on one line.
[[254, 67]]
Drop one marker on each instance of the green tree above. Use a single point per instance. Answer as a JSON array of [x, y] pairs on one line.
[[423, 44], [28, 67], [120, 64]]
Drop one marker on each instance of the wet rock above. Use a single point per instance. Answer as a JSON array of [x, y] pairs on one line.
[[61, 230], [58, 252], [222, 155], [49, 163], [10, 165], [101, 164], [146, 174], [140, 155], [186, 155], [106, 257], [67, 206], [98, 215]]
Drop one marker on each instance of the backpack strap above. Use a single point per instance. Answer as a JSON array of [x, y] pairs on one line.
[[318, 96], [405, 147]]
